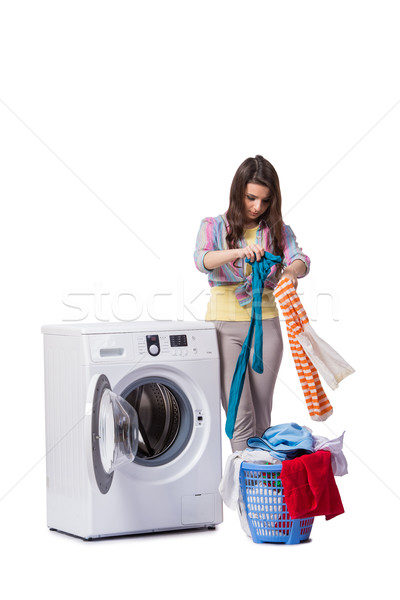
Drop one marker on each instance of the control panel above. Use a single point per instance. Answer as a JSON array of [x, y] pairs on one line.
[[190, 345], [152, 345]]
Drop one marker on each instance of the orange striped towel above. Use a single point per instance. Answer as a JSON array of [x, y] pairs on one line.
[[295, 316]]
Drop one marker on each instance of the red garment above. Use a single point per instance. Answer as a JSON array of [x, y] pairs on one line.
[[309, 486]]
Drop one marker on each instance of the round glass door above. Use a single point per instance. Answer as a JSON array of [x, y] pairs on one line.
[[118, 429], [115, 433]]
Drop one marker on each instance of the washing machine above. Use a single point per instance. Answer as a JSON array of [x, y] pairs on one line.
[[133, 433]]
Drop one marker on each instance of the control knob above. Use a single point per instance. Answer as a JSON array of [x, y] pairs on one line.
[[153, 344]]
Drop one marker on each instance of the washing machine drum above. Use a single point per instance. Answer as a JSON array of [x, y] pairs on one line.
[[165, 419], [159, 418]]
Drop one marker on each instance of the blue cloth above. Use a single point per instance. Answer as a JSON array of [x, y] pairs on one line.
[[260, 271], [284, 441]]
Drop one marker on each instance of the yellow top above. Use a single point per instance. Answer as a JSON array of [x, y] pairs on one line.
[[223, 304]]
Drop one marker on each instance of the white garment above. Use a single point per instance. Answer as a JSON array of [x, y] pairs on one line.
[[242, 514], [329, 364], [229, 488], [338, 459]]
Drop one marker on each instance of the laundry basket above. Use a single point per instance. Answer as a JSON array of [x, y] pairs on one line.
[[267, 513]]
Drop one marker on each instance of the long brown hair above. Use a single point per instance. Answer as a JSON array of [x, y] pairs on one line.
[[256, 170]]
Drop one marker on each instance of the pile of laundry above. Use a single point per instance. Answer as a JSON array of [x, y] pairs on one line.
[[309, 466]]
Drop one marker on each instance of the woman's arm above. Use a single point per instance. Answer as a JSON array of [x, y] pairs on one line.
[[293, 253], [217, 258], [298, 262]]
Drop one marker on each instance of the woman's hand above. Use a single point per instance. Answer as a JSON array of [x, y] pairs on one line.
[[293, 271], [253, 252], [290, 274]]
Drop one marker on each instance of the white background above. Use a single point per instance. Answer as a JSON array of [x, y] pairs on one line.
[[121, 126]]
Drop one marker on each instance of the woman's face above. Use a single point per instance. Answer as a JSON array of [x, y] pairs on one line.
[[255, 202]]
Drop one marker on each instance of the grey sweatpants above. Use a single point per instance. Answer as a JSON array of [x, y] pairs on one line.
[[254, 413]]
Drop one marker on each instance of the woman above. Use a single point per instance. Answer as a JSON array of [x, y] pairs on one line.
[[252, 225]]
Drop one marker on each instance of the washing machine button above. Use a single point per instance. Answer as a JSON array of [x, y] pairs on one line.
[[153, 344]]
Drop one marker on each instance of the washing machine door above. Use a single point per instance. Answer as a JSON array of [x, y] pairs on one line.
[[115, 432]]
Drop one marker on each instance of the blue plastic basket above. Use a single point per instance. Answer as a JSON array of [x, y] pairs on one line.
[[267, 513]]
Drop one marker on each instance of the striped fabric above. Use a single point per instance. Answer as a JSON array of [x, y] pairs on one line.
[[212, 236], [295, 316]]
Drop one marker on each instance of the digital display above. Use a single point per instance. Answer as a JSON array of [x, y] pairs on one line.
[[178, 340]]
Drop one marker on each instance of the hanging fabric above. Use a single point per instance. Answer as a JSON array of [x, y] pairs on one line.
[[260, 272], [299, 331]]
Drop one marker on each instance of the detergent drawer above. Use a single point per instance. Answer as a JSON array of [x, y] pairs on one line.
[[111, 347]]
